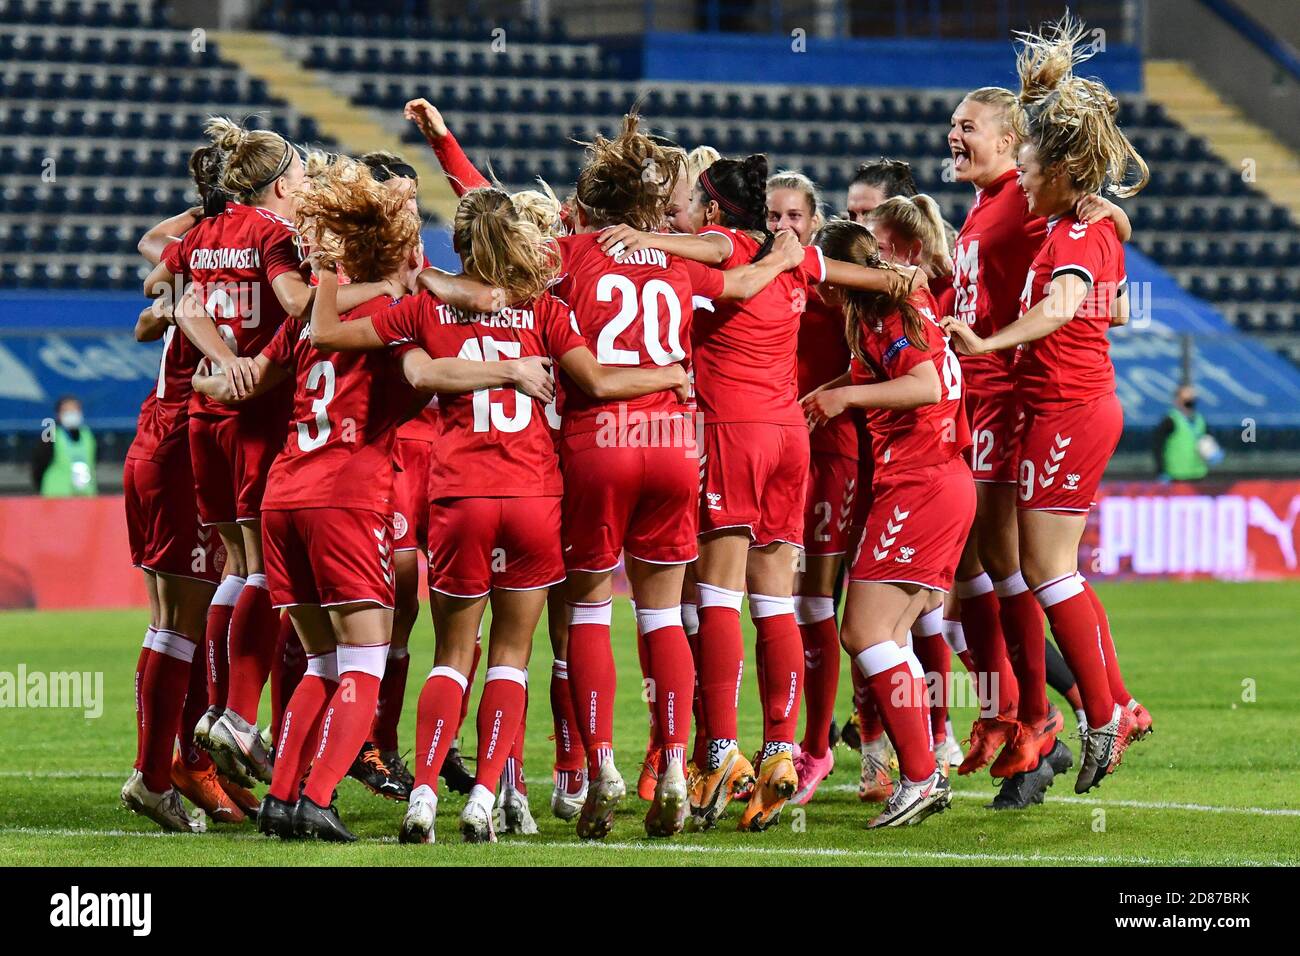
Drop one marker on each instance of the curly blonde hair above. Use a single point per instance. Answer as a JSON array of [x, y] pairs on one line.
[[353, 221], [500, 247], [541, 207], [628, 179], [1070, 120]]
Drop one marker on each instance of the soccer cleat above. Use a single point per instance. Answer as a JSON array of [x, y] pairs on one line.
[[476, 823], [275, 818], [875, 784], [850, 734], [952, 754], [647, 783], [1141, 722], [604, 794], [1059, 758], [417, 825], [987, 735], [1028, 744], [1021, 790], [833, 735], [377, 777], [397, 767], [714, 789], [1103, 749], [516, 812], [204, 725], [913, 802], [671, 803], [811, 772], [775, 784], [455, 774], [202, 789], [164, 809], [240, 796], [237, 750], [311, 821], [567, 796]]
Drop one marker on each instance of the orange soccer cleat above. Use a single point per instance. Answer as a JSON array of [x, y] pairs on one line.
[[775, 784], [712, 790], [987, 735], [1030, 744], [1141, 722], [203, 789]]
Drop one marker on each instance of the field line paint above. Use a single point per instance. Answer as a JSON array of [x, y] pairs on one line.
[[1126, 804]]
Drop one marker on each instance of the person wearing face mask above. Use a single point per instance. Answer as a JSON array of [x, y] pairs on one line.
[[64, 465], [1179, 440]]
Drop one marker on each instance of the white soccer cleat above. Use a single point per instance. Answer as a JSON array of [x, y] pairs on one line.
[[204, 726], [913, 802], [476, 822], [565, 804], [417, 825], [604, 794], [952, 749], [672, 802], [164, 809], [238, 751], [517, 814]]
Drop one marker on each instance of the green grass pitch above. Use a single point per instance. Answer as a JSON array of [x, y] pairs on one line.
[[1217, 664]]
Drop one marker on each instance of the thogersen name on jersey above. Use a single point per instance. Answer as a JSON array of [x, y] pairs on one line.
[[508, 318], [225, 258]]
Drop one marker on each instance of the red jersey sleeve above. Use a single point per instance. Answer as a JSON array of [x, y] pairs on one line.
[[813, 267], [560, 327], [705, 281], [725, 233], [1078, 249], [400, 323], [563, 284], [460, 172], [280, 349], [280, 254], [173, 259]]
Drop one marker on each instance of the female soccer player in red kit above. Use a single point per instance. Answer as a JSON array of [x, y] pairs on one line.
[[755, 468], [631, 472], [793, 203], [246, 267], [495, 487], [1074, 290], [923, 501]]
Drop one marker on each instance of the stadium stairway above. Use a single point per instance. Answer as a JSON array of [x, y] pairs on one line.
[[1240, 143], [261, 55]]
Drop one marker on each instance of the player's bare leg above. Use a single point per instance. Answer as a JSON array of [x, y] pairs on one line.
[[1049, 548], [721, 568], [501, 709], [877, 618], [456, 623], [814, 605]]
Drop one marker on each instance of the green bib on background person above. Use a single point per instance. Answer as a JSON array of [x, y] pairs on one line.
[[72, 467], [1183, 462]]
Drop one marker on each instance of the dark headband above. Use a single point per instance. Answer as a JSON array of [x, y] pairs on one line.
[[280, 170], [386, 171], [726, 204]]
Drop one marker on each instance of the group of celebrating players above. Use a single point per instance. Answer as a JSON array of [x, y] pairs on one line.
[[684, 369]]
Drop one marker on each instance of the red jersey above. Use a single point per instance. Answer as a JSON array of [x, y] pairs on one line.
[[997, 242], [931, 434], [824, 355], [423, 426], [746, 368], [632, 314], [1072, 364], [346, 407], [492, 443], [165, 415], [232, 259]]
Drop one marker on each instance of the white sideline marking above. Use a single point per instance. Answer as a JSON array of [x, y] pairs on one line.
[[687, 848], [1129, 804]]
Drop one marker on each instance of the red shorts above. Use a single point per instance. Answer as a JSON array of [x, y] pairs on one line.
[[997, 423], [830, 504], [477, 544], [626, 494], [232, 458], [1065, 452], [162, 521], [755, 477], [328, 556], [918, 526], [411, 495]]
